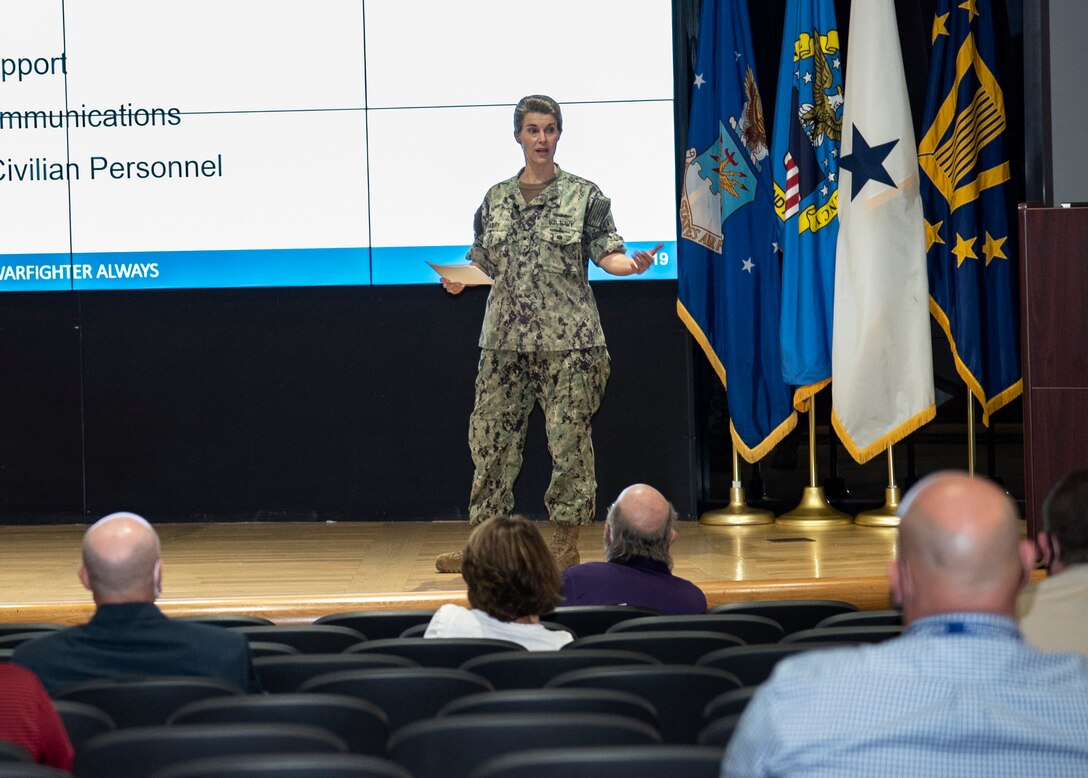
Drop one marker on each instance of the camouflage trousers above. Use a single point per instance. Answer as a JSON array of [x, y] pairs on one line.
[[569, 386]]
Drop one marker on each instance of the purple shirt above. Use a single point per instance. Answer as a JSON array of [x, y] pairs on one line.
[[636, 581]]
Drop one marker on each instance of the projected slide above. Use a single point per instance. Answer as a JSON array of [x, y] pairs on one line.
[[226, 143]]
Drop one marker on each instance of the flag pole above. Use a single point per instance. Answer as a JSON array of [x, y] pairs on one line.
[[738, 513], [970, 433], [814, 510], [887, 516]]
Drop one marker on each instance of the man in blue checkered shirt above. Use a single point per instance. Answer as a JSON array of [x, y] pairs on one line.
[[958, 694]]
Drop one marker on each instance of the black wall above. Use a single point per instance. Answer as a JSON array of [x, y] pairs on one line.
[[321, 403]]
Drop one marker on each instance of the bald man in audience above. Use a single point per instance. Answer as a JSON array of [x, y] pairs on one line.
[[959, 693], [637, 570], [129, 637]]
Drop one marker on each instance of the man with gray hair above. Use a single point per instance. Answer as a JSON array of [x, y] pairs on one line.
[[959, 693], [129, 637], [638, 567]]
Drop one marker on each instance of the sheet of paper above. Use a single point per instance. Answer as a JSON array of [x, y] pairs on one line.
[[465, 274]]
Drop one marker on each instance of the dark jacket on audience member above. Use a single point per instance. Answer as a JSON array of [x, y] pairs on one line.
[[136, 640], [634, 581]]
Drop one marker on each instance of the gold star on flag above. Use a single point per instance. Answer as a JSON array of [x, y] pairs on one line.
[[933, 234], [993, 248], [939, 27], [965, 249], [971, 7]]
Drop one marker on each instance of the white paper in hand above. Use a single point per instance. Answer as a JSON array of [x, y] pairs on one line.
[[469, 275]]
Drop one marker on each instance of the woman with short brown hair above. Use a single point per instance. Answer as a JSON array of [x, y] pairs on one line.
[[512, 579]]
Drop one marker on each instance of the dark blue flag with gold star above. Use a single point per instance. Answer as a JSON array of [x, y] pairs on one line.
[[728, 280], [971, 249]]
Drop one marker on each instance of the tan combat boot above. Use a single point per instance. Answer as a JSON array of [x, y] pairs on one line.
[[564, 545], [450, 562]]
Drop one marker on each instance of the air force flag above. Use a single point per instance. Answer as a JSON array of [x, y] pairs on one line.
[[729, 288]]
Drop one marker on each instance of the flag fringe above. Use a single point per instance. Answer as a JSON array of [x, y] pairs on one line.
[[992, 404], [750, 455], [863, 455], [802, 395], [753, 455], [700, 338]]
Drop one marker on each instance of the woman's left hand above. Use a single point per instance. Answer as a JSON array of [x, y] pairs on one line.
[[619, 264], [644, 259]]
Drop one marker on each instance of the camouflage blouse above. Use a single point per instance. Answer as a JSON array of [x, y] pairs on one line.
[[536, 253]]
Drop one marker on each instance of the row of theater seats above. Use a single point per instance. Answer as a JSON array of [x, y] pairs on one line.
[[444, 707], [752, 622]]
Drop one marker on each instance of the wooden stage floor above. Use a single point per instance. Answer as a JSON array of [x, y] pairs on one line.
[[295, 572]]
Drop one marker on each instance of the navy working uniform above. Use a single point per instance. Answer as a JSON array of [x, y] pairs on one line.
[[541, 341]]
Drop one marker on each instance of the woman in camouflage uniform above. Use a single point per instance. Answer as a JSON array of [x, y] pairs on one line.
[[542, 340]]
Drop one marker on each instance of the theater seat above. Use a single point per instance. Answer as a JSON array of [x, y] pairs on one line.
[[82, 721], [754, 664], [719, 731], [13, 627], [533, 669], [437, 652], [681, 647], [405, 694], [286, 673], [749, 628], [889, 617], [607, 762], [29, 770], [307, 638], [456, 745], [140, 752], [728, 703], [791, 615], [228, 620], [362, 726], [378, 625], [586, 620], [10, 752], [679, 692], [518, 701], [146, 702], [845, 634], [287, 766]]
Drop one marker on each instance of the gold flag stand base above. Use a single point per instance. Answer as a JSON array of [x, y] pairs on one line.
[[814, 511], [737, 514], [887, 516]]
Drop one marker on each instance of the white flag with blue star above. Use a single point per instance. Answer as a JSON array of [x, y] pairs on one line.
[[881, 356]]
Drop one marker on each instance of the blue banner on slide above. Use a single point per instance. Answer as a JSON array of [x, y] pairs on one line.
[[408, 264], [185, 269], [256, 268]]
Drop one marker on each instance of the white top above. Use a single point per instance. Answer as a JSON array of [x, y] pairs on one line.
[[454, 621]]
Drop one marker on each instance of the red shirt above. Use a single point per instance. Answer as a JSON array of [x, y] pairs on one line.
[[28, 718]]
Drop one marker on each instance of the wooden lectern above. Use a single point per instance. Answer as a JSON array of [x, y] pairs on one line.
[[1054, 339]]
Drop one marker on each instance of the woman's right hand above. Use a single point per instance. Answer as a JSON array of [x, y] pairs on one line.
[[453, 287]]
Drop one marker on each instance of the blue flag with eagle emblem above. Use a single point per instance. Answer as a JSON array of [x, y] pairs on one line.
[[728, 277], [804, 155], [965, 197]]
